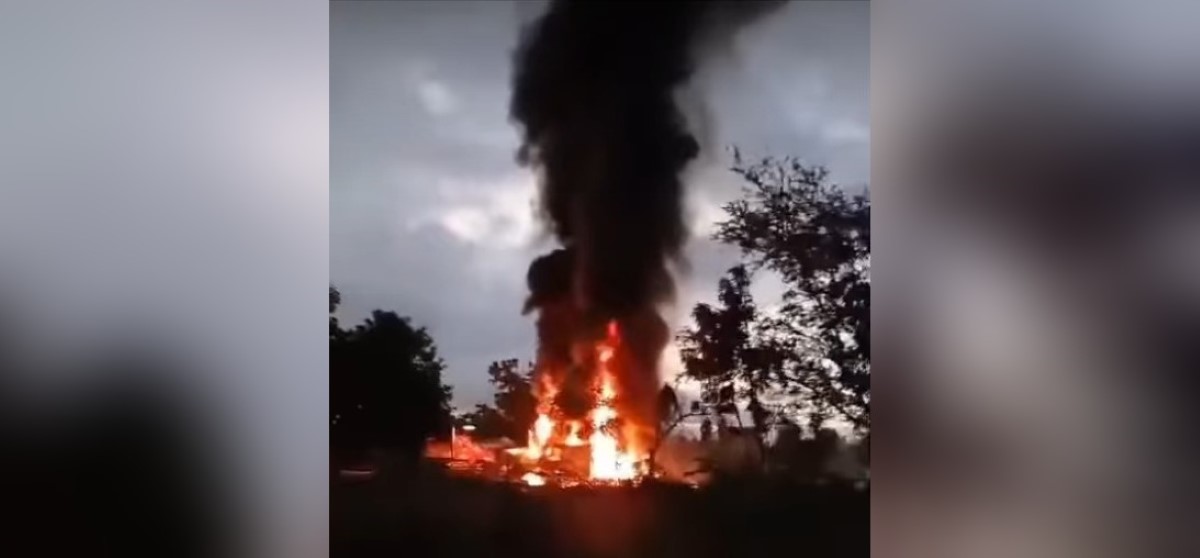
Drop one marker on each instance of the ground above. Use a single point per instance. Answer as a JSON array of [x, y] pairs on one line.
[[424, 512]]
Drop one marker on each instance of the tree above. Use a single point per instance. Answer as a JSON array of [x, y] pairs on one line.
[[724, 351], [514, 399], [816, 237], [386, 384], [514, 406], [335, 300]]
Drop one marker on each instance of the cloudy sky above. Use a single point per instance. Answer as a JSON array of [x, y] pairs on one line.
[[431, 216]]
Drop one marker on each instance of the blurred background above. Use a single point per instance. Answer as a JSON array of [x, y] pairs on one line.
[[1037, 290], [163, 276]]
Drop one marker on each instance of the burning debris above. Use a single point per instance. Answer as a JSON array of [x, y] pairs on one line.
[[594, 92], [609, 452]]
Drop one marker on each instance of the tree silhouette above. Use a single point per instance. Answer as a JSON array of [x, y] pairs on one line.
[[515, 406], [724, 351], [816, 237], [385, 383], [335, 300]]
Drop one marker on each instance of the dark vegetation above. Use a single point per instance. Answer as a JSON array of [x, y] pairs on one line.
[[426, 513], [815, 348], [385, 383], [514, 406]]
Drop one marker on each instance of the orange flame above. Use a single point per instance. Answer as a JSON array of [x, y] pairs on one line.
[[609, 462], [612, 457], [573, 439], [539, 436]]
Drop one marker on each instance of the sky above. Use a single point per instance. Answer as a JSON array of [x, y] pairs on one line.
[[431, 216]]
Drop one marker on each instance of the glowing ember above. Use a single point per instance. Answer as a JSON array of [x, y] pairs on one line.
[[533, 479]]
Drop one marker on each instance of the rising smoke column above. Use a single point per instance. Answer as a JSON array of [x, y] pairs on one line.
[[594, 92]]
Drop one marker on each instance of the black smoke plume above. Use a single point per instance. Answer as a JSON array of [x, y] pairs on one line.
[[594, 92]]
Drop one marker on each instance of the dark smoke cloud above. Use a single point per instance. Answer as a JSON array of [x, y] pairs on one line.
[[594, 92]]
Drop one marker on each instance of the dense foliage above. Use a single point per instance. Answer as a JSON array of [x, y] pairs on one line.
[[386, 387], [514, 406], [816, 345]]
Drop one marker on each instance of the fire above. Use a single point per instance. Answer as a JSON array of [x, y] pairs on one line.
[[612, 455], [602, 447], [573, 439], [539, 437], [608, 461]]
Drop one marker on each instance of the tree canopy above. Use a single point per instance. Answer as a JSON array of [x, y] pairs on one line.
[[514, 406], [386, 383], [816, 345]]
